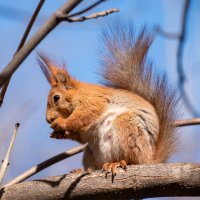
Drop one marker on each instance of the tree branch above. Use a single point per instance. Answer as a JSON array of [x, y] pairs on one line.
[[6, 160], [30, 24], [180, 51], [174, 36], [47, 163], [22, 42], [51, 23], [139, 181], [87, 9], [188, 122], [92, 16]]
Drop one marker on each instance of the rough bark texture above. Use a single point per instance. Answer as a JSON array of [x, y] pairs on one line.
[[139, 181]]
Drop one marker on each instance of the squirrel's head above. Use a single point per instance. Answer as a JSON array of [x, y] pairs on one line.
[[63, 89]]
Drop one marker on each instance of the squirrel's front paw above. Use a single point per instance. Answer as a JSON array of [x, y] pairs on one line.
[[59, 135], [59, 124]]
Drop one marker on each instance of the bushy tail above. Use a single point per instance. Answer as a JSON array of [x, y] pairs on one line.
[[124, 66]]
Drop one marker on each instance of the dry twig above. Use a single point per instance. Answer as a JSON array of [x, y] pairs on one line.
[[6, 160], [92, 16], [181, 37], [51, 23], [47, 163], [22, 42], [87, 9], [180, 51], [174, 36], [188, 122]]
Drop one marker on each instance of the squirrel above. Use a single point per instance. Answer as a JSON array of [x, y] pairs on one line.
[[129, 119]]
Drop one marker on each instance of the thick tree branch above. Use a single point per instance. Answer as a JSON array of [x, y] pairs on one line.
[[139, 181], [92, 16], [47, 163]]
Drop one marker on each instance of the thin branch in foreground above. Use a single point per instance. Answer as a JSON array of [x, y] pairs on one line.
[[139, 181], [87, 9], [92, 16], [46, 163], [6, 160], [22, 42]]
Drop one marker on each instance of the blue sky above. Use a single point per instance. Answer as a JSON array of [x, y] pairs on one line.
[[76, 43]]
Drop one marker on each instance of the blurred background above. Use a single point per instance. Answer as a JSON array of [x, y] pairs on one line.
[[76, 44]]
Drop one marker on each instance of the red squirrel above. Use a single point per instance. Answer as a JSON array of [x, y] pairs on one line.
[[128, 120]]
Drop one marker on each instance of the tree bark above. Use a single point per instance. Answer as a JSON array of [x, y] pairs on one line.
[[139, 181]]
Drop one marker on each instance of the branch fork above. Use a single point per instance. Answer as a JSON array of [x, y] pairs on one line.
[[65, 17]]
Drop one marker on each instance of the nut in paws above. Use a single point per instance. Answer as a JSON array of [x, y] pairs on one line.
[[58, 124]]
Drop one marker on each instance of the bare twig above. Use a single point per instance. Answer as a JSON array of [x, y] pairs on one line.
[[188, 122], [30, 24], [92, 16], [182, 42], [51, 23], [45, 164], [166, 34], [87, 9], [6, 160], [18, 14], [22, 42], [139, 181], [180, 51]]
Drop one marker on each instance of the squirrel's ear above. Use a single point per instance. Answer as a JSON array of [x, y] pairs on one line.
[[62, 77], [54, 74]]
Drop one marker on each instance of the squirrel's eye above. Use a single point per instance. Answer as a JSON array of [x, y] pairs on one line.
[[56, 98]]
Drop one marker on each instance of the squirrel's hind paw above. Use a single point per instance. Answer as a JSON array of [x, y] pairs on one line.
[[112, 168]]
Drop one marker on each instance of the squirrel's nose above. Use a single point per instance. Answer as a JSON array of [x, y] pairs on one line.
[[50, 119]]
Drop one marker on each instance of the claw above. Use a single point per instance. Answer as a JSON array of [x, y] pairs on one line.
[[77, 171], [112, 168], [57, 135]]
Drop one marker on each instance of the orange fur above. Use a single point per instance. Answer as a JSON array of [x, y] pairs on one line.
[[130, 119]]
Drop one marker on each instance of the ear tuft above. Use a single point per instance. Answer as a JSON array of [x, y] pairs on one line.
[[55, 75]]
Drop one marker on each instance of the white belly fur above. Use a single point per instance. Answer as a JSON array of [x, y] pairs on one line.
[[108, 139]]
